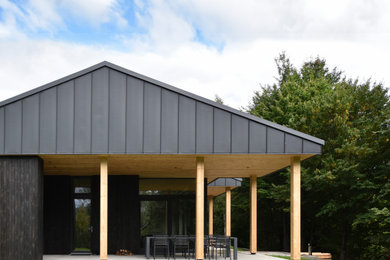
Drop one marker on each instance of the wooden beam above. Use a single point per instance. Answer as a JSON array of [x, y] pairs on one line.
[[103, 207], [199, 208], [295, 208], [253, 218], [228, 211], [211, 214]]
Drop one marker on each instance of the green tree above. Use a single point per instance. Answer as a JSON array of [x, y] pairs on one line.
[[218, 99], [345, 191]]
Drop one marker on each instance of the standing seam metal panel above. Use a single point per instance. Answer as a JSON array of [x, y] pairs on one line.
[[99, 113], [293, 144], [47, 121], [65, 114], [107, 111], [134, 115], [239, 134], [2, 125], [82, 113], [169, 121], [117, 113], [13, 128], [310, 147], [257, 138], [152, 117], [275, 141], [30, 135], [204, 128], [186, 125], [222, 131]]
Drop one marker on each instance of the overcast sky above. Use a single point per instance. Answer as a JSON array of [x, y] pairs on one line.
[[205, 47]]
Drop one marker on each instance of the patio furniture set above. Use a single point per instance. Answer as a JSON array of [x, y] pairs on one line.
[[214, 246]]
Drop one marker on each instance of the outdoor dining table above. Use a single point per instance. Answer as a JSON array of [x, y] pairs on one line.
[[150, 238]]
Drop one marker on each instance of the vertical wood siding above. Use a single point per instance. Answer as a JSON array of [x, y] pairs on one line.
[[21, 208], [110, 112], [57, 221], [123, 213]]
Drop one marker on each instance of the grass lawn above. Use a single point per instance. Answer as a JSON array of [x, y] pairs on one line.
[[82, 249]]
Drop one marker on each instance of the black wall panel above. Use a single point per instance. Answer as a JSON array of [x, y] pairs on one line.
[[123, 213], [95, 215], [21, 208], [57, 209]]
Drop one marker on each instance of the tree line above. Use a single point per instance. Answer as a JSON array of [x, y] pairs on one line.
[[346, 189]]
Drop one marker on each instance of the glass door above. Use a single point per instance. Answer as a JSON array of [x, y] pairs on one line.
[[154, 218], [82, 203], [82, 225]]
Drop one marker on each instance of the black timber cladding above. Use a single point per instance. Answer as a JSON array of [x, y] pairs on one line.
[[57, 210], [21, 208], [106, 109]]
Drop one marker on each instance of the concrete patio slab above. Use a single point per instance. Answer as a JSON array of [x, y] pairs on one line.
[[241, 256]]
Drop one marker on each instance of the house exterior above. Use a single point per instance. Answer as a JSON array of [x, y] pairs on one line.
[[87, 161]]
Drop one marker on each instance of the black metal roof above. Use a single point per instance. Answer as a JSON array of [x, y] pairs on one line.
[[109, 109]]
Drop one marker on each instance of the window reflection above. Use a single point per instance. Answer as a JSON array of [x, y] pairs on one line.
[[82, 234], [82, 185]]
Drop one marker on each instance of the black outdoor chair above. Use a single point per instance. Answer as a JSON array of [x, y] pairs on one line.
[[206, 244], [161, 241], [181, 243], [206, 247], [221, 245]]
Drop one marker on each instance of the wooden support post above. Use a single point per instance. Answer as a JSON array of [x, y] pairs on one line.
[[295, 208], [211, 215], [253, 219], [199, 208], [228, 211], [103, 207]]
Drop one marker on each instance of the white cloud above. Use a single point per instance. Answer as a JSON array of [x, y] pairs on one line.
[[95, 11], [250, 20], [49, 15], [354, 38]]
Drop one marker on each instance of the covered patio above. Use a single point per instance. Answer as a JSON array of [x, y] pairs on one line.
[[241, 255], [110, 138]]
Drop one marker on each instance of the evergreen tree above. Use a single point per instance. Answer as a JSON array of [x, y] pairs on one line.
[[346, 190]]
